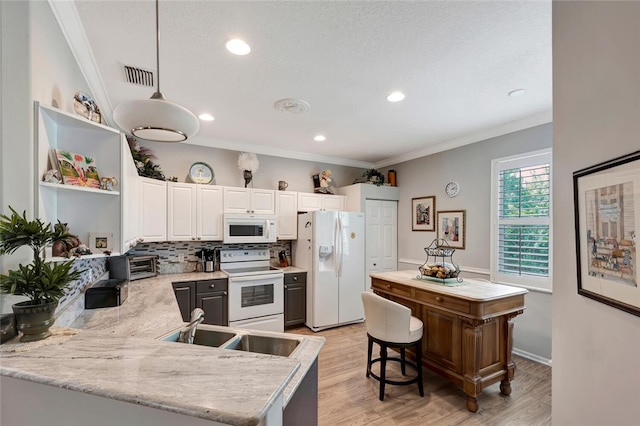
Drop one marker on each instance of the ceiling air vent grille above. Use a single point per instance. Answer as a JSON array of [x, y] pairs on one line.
[[138, 76]]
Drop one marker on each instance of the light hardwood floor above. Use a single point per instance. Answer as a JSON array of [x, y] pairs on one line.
[[347, 397]]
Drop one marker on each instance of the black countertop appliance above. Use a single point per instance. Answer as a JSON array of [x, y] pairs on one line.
[[106, 293]]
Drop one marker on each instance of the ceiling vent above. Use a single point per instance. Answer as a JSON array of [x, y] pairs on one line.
[[138, 76], [294, 106]]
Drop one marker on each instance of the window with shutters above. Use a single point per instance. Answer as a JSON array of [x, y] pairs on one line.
[[521, 213]]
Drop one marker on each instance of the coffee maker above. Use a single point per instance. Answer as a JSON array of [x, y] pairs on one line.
[[207, 259]]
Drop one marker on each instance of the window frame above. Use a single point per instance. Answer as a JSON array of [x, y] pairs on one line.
[[526, 159]]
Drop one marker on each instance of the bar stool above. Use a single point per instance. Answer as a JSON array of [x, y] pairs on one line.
[[389, 324]]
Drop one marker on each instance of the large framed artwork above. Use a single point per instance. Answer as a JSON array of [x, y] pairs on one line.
[[452, 227], [423, 213], [607, 216]]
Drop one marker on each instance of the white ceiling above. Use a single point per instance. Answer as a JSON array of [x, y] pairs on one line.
[[456, 62]]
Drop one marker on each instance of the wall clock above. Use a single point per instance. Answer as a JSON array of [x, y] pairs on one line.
[[200, 172], [452, 189]]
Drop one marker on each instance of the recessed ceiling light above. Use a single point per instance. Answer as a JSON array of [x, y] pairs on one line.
[[516, 92], [206, 117], [320, 138], [395, 97], [238, 47]]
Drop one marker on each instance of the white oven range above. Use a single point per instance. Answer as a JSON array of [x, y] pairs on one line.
[[256, 290]]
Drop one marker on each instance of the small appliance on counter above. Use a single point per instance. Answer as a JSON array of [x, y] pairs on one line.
[[207, 260], [132, 268], [106, 294]]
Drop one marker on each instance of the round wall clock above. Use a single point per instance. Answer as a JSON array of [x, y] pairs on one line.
[[200, 172], [452, 189]]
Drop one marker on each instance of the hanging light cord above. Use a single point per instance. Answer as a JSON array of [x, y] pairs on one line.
[[157, 94]]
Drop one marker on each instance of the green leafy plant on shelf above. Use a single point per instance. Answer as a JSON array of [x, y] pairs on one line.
[[143, 159], [44, 283]]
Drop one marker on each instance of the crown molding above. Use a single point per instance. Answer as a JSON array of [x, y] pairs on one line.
[[478, 136]]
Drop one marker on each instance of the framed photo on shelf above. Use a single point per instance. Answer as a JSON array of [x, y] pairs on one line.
[[452, 227], [99, 242], [607, 218], [423, 213], [77, 169]]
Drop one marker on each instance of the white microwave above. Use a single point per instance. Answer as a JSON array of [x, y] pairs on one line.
[[249, 228]]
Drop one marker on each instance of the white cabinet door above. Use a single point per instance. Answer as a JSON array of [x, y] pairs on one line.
[[308, 202], [287, 212], [237, 200], [263, 201], [153, 210], [209, 213], [333, 202], [249, 200], [130, 192], [381, 237], [181, 211]]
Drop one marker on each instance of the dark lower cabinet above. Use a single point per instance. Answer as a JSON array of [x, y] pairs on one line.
[[295, 299], [209, 295]]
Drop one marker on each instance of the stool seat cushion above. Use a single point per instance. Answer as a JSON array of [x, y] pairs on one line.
[[415, 329], [389, 321]]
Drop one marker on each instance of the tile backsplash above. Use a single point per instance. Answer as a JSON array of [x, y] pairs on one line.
[[178, 257]]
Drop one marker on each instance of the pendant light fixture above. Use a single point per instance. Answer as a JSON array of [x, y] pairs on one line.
[[156, 119]]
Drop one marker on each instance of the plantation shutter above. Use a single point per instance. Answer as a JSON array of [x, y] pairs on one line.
[[523, 220]]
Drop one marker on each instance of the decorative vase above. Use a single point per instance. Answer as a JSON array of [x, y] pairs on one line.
[[247, 177], [34, 321]]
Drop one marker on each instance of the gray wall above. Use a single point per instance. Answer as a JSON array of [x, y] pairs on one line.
[[470, 166], [596, 69]]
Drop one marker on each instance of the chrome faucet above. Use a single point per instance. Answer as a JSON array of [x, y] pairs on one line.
[[188, 332]]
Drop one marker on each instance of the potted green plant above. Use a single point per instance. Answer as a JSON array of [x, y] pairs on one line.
[[42, 282]]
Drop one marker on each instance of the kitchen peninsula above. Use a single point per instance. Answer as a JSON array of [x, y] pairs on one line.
[[116, 365], [468, 327]]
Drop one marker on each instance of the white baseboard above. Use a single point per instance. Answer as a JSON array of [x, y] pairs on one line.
[[532, 357]]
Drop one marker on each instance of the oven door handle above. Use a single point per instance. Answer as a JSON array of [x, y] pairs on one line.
[[256, 278]]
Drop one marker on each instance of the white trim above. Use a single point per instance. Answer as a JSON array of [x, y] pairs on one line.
[[532, 357], [478, 136]]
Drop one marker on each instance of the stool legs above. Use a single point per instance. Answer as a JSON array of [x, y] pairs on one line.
[[369, 351], [383, 370], [403, 364], [419, 365]]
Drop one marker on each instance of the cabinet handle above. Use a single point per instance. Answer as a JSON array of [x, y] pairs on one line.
[[224, 293], [295, 278], [212, 286], [375, 264], [439, 299], [389, 286], [286, 286]]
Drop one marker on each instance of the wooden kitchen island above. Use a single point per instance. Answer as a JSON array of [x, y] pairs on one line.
[[468, 327]]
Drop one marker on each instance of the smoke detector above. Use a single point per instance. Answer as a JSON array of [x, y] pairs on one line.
[[294, 106]]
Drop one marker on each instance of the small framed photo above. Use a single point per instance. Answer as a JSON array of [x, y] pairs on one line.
[[100, 242], [452, 227], [423, 213], [607, 220]]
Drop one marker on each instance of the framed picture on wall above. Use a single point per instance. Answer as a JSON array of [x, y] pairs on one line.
[[423, 213], [607, 217], [452, 227]]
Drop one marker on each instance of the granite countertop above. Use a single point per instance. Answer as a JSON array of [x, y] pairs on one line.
[[124, 339]]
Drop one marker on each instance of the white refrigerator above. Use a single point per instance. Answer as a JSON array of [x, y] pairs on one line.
[[331, 247]]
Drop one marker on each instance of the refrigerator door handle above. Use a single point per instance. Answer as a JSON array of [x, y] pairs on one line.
[[336, 235], [339, 248]]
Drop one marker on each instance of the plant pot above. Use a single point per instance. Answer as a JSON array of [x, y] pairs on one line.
[[34, 321]]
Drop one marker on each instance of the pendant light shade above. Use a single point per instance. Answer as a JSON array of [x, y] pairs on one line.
[[156, 119]]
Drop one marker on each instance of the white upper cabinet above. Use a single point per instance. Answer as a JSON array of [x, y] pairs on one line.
[[209, 213], [181, 211], [194, 212], [287, 212], [84, 208], [309, 202], [153, 210], [130, 199], [249, 200]]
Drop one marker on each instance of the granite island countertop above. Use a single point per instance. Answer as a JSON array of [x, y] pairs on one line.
[[158, 374]]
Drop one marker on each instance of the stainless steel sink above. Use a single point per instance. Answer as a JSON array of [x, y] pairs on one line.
[[204, 336], [269, 345]]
